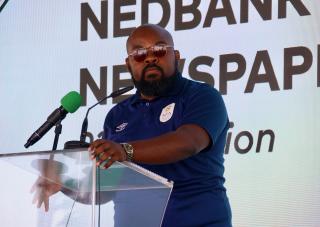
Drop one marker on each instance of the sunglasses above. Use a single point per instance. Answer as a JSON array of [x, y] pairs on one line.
[[158, 51]]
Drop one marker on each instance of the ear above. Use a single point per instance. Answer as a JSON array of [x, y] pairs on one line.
[[128, 65], [177, 55]]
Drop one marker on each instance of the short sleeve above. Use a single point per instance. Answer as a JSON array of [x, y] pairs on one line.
[[205, 108]]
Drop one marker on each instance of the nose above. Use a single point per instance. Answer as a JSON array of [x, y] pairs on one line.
[[151, 58]]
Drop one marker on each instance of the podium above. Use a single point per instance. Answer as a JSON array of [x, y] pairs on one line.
[[77, 193]]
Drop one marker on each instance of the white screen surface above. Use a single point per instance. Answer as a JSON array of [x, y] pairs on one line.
[[41, 56]]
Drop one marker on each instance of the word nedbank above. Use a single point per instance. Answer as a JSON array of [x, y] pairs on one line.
[[185, 15]]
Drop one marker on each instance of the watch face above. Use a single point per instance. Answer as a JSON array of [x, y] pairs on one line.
[[129, 148], [129, 151]]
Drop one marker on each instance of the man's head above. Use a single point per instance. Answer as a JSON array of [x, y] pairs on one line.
[[152, 60]]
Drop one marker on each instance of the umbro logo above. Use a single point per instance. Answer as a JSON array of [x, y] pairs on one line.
[[121, 127]]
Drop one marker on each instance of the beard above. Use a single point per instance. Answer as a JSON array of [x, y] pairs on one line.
[[157, 87]]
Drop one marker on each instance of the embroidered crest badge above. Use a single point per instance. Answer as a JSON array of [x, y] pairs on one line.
[[167, 112]]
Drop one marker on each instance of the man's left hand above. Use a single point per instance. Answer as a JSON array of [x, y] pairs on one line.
[[106, 152]]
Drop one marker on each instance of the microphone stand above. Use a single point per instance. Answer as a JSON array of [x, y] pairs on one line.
[[52, 164], [76, 144], [57, 132]]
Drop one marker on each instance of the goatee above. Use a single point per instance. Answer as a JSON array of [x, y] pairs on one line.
[[157, 87]]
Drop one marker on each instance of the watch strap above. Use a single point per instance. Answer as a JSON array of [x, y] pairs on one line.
[[128, 148]]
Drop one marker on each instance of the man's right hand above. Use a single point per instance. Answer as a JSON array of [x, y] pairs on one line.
[[43, 189]]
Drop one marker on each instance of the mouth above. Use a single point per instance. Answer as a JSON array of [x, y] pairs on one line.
[[152, 73], [152, 69]]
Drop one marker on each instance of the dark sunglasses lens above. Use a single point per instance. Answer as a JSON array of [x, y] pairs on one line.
[[140, 55], [159, 51]]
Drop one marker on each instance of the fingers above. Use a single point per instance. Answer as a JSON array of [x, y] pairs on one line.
[[106, 163], [41, 198], [97, 148], [96, 144], [106, 152], [46, 203], [35, 198], [105, 156], [109, 163], [39, 202]]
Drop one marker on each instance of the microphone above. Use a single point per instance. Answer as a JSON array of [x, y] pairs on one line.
[[84, 128], [69, 104], [114, 94]]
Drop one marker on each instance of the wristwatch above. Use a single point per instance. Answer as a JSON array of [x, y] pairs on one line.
[[128, 148]]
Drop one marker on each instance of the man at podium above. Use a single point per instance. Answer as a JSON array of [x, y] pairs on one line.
[[172, 126]]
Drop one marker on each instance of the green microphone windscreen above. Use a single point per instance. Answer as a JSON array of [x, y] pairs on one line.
[[71, 101]]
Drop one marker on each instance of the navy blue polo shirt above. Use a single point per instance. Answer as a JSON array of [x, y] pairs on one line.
[[198, 197]]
